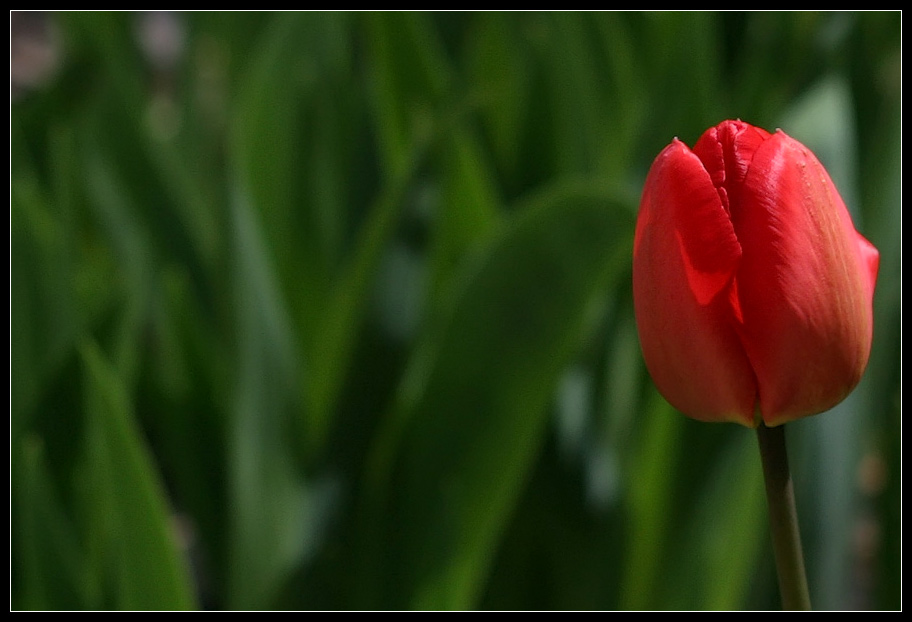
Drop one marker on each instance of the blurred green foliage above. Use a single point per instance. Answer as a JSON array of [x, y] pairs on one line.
[[332, 310]]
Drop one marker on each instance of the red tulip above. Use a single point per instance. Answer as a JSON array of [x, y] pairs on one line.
[[752, 290]]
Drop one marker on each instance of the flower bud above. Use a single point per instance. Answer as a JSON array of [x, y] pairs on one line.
[[752, 289]]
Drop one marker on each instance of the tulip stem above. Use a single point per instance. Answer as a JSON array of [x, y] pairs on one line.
[[780, 498]]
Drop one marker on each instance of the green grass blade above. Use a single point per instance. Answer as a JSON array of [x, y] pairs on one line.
[[48, 564], [130, 505], [450, 466]]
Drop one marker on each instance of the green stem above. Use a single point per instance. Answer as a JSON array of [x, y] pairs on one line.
[[780, 498]]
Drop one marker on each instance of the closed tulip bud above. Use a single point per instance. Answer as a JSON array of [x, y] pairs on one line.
[[752, 289]]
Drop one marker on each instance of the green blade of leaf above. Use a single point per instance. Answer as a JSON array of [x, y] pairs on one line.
[[725, 535], [449, 467], [267, 497], [130, 505], [45, 545], [409, 77], [650, 503]]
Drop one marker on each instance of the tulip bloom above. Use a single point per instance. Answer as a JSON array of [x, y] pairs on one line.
[[752, 289]]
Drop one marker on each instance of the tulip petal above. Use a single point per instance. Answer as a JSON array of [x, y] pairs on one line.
[[805, 283], [726, 151], [870, 262], [685, 257]]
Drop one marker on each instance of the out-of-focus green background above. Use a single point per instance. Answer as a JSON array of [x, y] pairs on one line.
[[332, 311]]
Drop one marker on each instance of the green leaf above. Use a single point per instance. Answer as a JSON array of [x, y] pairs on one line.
[[297, 132], [469, 209], [500, 70], [454, 456], [129, 505], [267, 498], [579, 102], [45, 544], [266, 146], [409, 77], [338, 329], [414, 102], [650, 503], [726, 534], [44, 320]]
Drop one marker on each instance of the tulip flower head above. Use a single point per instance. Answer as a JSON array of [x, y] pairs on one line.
[[752, 289]]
